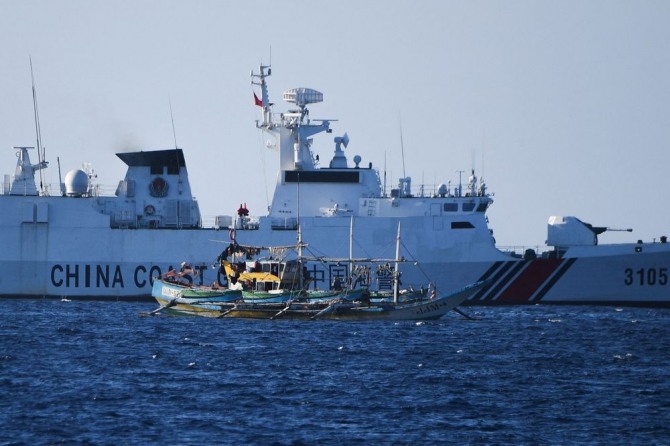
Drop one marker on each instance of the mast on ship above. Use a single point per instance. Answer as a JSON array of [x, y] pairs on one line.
[[295, 129], [264, 102], [42, 163], [23, 182]]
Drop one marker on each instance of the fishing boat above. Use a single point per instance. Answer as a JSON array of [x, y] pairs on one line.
[[416, 309], [337, 309], [72, 240], [189, 299], [349, 303]]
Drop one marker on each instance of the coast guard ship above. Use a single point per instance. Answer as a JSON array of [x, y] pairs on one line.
[[77, 243]]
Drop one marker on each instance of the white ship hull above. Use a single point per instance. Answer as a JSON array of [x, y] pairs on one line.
[[64, 257], [84, 245]]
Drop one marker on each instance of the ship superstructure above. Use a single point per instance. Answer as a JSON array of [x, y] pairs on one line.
[[341, 189]]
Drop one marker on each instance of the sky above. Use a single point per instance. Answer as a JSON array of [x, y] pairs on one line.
[[562, 107]]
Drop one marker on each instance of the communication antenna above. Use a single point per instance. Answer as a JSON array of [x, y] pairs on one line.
[[402, 151], [176, 148], [460, 182], [174, 133], [60, 179], [384, 191], [38, 130], [473, 155], [483, 152]]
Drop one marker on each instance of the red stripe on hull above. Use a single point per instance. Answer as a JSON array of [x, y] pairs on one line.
[[529, 281]]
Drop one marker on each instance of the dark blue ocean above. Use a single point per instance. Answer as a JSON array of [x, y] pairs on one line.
[[99, 373]]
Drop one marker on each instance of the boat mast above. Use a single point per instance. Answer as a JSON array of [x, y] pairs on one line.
[[351, 250], [396, 273], [299, 235], [301, 280]]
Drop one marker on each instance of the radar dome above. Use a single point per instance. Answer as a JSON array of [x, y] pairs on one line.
[[76, 183], [442, 190]]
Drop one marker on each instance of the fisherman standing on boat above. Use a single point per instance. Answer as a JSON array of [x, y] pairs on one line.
[[169, 274], [186, 269]]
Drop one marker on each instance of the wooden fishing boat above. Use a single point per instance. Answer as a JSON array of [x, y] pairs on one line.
[[274, 289], [336, 309], [191, 299], [414, 310]]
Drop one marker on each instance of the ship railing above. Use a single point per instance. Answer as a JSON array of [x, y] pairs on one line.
[[525, 252], [54, 190], [431, 190]]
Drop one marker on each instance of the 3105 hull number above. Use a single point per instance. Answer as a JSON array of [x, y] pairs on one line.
[[646, 276]]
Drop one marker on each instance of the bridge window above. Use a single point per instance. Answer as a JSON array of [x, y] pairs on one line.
[[461, 225], [468, 207], [481, 207], [450, 207], [156, 170]]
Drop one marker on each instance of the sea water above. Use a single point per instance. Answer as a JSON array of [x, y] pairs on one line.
[[100, 373]]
